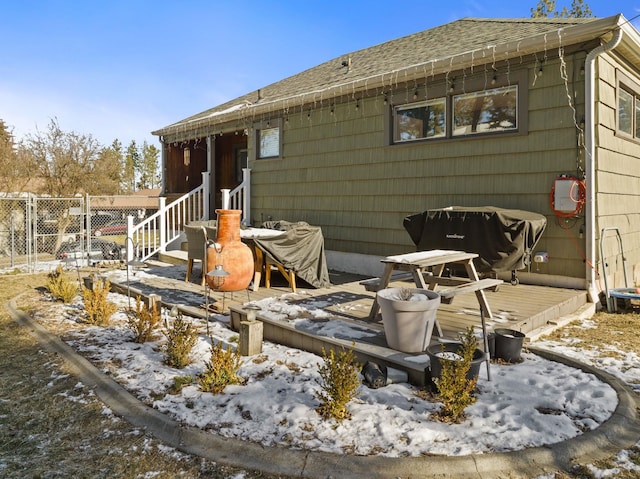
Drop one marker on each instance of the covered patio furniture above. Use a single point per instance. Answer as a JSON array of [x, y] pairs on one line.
[[299, 251]]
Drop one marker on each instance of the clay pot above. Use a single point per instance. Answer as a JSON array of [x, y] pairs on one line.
[[235, 256]]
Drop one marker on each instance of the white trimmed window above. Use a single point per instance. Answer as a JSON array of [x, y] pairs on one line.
[[463, 109], [420, 120], [628, 120], [269, 142], [485, 111], [628, 113]]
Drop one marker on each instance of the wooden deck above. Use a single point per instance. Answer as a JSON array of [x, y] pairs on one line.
[[525, 308]]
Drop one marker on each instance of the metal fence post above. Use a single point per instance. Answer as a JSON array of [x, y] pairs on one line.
[[89, 230]]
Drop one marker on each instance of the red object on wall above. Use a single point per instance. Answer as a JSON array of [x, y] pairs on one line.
[[235, 256]]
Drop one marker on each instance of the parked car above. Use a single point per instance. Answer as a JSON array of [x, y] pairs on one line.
[[100, 249], [113, 227]]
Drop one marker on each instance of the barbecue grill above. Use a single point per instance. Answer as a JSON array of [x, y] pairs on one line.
[[504, 239]]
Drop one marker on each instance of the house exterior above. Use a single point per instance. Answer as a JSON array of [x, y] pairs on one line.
[[541, 115]]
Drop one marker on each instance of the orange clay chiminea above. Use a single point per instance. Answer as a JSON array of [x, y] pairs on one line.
[[235, 256]]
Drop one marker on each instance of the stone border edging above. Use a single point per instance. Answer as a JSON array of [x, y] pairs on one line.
[[620, 431]]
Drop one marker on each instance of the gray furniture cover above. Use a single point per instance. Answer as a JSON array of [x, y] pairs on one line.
[[504, 239], [300, 249]]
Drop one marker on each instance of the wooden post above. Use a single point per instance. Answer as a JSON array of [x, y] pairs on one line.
[[154, 300], [250, 337]]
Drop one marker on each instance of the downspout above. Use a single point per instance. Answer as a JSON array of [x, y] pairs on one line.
[[590, 168]]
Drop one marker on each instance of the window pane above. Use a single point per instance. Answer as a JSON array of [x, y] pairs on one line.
[[485, 111], [420, 120], [637, 123], [625, 111], [269, 143]]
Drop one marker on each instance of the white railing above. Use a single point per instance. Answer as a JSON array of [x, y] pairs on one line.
[[152, 235], [240, 197]]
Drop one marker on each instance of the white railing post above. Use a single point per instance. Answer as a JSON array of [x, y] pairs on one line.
[[246, 193], [130, 251], [225, 198], [205, 194], [162, 201]]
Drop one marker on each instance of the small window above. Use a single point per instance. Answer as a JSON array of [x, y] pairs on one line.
[[628, 111], [485, 111], [637, 117], [625, 111], [471, 109], [269, 142], [420, 120]]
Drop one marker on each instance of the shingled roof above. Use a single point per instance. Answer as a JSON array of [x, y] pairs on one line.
[[459, 44]]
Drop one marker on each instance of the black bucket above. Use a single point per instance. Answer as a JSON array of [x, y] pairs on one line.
[[434, 351], [509, 344]]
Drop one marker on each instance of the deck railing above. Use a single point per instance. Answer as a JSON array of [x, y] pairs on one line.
[[239, 198], [152, 235]]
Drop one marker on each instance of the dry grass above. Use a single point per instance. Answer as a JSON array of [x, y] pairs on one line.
[[53, 427], [611, 332]]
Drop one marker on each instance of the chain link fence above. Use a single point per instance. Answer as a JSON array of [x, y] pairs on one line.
[[16, 234], [39, 230]]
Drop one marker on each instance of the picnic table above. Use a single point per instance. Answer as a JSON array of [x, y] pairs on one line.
[[426, 269]]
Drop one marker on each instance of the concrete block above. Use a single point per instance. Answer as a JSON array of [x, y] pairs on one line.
[[251, 333]]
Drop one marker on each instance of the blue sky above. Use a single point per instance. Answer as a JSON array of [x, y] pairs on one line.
[[122, 68]]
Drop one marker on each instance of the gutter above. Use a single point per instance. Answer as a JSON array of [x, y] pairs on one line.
[[590, 169]]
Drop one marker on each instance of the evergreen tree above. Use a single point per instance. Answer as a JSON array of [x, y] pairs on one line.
[[149, 174], [547, 8], [131, 166]]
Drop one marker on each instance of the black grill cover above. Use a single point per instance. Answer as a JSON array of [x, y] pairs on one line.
[[503, 239]]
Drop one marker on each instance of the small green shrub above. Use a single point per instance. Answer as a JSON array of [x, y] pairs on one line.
[[221, 370], [339, 383], [181, 338], [455, 390], [60, 286], [179, 382], [143, 322], [98, 308]]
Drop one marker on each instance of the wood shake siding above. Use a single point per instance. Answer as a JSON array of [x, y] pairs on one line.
[[618, 172], [338, 171]]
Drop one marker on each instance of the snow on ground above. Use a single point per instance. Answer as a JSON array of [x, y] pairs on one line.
[[528, 404]]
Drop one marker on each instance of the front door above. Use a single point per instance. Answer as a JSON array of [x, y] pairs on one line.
[[230, 158]]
